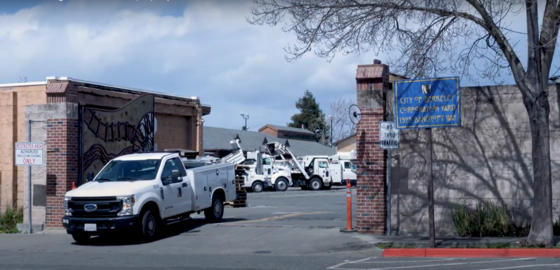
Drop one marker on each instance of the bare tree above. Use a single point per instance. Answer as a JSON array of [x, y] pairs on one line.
[[428, 35], [342, 125]]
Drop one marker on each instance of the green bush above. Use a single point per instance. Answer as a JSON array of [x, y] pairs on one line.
[[490, 219], [487, 219], [10, 219]]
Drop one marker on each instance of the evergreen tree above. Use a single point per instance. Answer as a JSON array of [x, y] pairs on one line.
[[311, 117]]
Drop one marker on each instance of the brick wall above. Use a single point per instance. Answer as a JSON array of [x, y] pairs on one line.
[[8, 134], [172, 132], [270, 131], [62, 165], [371, 165]]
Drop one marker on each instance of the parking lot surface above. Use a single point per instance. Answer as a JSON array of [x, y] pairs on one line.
[[278, 230], [449, 264]]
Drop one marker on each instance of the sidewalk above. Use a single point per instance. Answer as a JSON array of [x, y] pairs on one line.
[[445, 242]]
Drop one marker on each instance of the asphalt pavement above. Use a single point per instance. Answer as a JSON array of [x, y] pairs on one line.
[[278, 230]]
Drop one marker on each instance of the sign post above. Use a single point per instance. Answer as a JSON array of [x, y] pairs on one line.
[[29, 154], [426, 104], [388, 139]]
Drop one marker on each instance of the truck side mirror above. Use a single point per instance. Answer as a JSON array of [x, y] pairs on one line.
[[175, 176], [90, 176]]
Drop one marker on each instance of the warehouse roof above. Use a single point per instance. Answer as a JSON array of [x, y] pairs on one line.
[[218, 138], [283, 128]]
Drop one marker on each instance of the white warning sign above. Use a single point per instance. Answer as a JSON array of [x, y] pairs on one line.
[[388, 135], [29, 153]]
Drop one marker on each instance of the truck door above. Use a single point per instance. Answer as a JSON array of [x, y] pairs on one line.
[[185, 191], [267, 169], [172, 193], [322, 169], [347, 171]]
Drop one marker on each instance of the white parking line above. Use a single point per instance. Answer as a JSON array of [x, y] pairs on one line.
[[521, 266], [422, 266], [349, 262]]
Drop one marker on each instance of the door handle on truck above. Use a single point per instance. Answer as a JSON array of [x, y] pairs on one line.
[[185, 184], [204, 188]]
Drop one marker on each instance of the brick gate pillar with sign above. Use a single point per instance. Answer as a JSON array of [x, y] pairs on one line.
[[62, 147], [372, 82]]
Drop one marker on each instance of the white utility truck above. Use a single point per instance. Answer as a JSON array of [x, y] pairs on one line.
[[341, 168], [142, 192], [260, 172], [308, 172]]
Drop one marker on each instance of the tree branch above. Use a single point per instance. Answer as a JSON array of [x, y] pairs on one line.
[[517, 68], [549, 35]]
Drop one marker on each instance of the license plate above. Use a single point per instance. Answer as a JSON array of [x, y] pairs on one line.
[[90, 227]]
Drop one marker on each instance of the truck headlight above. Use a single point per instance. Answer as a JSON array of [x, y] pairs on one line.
[[65, 205], [127, 204]]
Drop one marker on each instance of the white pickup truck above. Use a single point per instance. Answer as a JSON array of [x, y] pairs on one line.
[[139, 193]]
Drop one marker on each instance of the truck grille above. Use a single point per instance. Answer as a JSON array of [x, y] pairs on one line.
[[106, 206]]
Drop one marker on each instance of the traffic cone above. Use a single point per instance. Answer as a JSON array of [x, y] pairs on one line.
[[73, 185]]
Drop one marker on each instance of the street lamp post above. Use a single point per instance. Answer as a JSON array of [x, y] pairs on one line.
[[245, 116], [331, 128]]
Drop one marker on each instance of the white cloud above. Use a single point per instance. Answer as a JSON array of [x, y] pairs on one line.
[[201, 48]]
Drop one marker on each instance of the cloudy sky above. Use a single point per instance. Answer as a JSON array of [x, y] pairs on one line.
[[191, 48]]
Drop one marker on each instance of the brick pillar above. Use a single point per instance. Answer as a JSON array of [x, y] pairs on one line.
[[372, 81], [62, 148], [8, 136]]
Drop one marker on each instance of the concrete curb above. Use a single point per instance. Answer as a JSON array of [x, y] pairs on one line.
[[474, 252]]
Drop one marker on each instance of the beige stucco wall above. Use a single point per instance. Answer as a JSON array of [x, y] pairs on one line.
[[12, 129], [347, 145], [489, 157]]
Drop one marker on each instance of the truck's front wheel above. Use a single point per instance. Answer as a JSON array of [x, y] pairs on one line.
[[281, 184], [149, 225], [216, 211], [316, 184]]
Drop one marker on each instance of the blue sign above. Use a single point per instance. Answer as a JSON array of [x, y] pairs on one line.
[[427, 103]]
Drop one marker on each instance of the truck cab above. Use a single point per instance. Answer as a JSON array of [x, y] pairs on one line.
[[342, 169], [262, 173], [139, 193]]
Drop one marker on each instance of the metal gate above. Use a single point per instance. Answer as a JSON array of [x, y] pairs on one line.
[[106, 134]]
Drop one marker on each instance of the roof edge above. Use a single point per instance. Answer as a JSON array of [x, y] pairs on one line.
[[23, 84], [120, 87]]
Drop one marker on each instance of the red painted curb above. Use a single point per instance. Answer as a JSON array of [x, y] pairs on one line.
[[472, 252]]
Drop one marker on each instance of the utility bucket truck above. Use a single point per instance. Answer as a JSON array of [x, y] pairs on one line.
[[259, 171], [141, 193], [341, 168], [308, 172]]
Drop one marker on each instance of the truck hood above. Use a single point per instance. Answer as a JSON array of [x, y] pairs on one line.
[[122, 188]]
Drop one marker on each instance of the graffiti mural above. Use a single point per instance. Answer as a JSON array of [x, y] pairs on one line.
[[106, 134]]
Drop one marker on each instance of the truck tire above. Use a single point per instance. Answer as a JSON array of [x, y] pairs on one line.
[[149, 225], [81, 238], [216, 211], [281, 184], [257, 187], [315, 184]]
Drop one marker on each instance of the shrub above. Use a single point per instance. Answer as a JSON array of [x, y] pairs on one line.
[[487, 219], [10, 219]]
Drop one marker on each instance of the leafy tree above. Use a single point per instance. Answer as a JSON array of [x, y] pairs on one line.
[[311, 117], [428, 34]]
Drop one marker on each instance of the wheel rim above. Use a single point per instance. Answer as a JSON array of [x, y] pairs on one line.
[[217, 208], [315, 185], [150, 225], [281, 185], [258, 188]]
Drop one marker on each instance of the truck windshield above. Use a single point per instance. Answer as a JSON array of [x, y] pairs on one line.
[[129, 170]]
